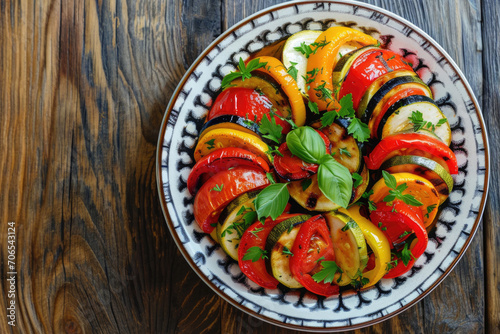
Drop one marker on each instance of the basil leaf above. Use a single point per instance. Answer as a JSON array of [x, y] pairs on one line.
[[335, 181], [272, 200], [306, 143]]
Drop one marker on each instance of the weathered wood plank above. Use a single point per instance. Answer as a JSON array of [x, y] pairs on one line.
[[491, 110]]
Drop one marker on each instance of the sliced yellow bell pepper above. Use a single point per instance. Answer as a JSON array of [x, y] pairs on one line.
[[278, 72], [218, 138], [376, 240], [323, 60]]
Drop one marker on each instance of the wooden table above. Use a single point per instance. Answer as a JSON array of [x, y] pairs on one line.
[[83, 88]]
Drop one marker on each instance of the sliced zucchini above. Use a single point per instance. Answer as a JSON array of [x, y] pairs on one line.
[[232, 224], [390, 95], [375, 86], [424, 167], [230, 122], [278, 245], [349, 244], [344, 64], [398, 117], [388, 89], [293, 57], [264, 83]]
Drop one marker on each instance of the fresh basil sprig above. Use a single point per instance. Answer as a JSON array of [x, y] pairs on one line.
[[335, 181], [272, 200], [305, 143]]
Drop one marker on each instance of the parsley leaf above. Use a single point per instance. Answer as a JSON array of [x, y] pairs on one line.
[[292, 70], [323, 93], [305, 49], [269, 129], [346, 106], [286, 251], [313, 106], [217, 188], [254, 254], [396, 191], [358, 179], [359, 281], [210, 144], [327, 273], [359, 130], [406, 255], [244, 71], [344, 150], [257, 230]]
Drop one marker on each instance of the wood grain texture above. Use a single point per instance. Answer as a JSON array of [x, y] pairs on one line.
[[83, 89]]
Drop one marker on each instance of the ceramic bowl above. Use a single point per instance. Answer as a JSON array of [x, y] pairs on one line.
[[458, 220]]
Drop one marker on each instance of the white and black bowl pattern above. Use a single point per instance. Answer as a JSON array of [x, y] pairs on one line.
[[458, 219]]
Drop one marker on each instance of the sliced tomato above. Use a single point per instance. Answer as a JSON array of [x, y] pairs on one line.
[[247, 103], [220, 160], [256, 236], [366, 69], [392, 222], [401, 215], [311, 247], [409, 144], [222, 188], [292, 168]]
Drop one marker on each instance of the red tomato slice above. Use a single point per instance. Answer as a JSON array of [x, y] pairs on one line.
[[292, 168], [405, 215], [398, 143], [221, 189], [311, 247], [246, 103], [256, 236], [220, 160], [369, 66], [392, 222]]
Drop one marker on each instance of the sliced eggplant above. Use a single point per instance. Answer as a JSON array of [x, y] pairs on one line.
[[278, 245], [345, 149], [292, 57], [349, 244], [308, 195], [375, 86], [230, 122], [232, 224], [390, 87], [398, 117], [424, 167]]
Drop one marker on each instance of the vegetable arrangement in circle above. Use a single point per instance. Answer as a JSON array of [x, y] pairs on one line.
[[323, 168]]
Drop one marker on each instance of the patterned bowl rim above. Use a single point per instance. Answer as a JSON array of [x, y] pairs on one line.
[[195, 64]]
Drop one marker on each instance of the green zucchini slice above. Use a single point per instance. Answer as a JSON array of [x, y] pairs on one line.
[[398, 117], [278, 245], [232, 222], [292, 57], [349, 244]]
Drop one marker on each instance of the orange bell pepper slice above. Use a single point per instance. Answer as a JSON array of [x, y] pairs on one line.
[[323, 61]]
